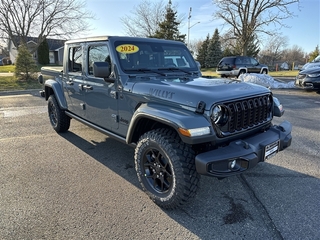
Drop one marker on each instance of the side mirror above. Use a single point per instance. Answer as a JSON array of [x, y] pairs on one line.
[[278, 110], [199, 65], [101, 69]]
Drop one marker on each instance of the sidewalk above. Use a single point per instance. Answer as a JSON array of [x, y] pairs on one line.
[[6, 74]]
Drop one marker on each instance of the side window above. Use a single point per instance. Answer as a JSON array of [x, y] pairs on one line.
[[238, 60], [75, 59], [246, 60], [97, 54], [253, 61]]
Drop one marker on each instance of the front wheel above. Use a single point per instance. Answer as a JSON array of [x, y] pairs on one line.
[[58, 119], [165, 168]]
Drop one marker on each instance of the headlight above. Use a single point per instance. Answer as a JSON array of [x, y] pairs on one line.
[[314, 75], [219, 114]]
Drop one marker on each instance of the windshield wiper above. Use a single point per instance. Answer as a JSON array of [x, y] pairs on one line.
[[177, 69], [149, 70]]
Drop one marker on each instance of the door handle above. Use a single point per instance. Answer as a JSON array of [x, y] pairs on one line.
[[69, 82], [87, 87]]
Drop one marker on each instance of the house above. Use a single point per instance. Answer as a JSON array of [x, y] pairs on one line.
[[284, 66], [56, 47]]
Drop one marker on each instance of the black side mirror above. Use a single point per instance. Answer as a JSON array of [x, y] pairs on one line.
[[101, 69]]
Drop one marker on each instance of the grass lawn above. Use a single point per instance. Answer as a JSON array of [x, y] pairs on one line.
[[10, 83], [7, 68]]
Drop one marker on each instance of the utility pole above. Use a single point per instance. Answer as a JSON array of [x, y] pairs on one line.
[[190, 26]]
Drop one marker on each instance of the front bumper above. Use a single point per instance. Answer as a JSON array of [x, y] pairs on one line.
[[307, 84], [241, 155]]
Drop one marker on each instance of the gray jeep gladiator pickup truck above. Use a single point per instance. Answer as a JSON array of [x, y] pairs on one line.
[[149, 93]]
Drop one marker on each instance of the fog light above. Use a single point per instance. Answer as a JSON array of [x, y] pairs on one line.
[[232, 164]]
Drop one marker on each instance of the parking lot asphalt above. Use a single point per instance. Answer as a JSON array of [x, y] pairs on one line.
[[82, 184]]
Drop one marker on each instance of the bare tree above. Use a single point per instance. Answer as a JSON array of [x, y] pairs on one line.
[[145, 18], [42, 18], [249, 17], [194, 46], [294, 55], [273, 50]]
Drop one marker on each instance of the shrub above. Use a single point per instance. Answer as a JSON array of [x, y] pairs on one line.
[[26, 67]]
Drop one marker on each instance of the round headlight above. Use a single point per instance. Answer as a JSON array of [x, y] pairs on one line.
[[216, 113], [219, 115]]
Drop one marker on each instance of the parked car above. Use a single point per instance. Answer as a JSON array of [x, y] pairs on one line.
[[1, 64], [308, 78], [314, 63], [236, 65]]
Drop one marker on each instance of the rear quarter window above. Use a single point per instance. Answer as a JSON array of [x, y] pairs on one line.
[[227, 61]]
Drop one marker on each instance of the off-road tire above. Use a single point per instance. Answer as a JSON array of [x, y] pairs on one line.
[[165, 168], [58, 119]]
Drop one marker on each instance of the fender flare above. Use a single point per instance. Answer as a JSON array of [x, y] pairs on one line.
[[174, 118], [52, 85]]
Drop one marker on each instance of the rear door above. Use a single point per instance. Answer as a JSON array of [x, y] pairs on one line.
[[254, 67], [73, 80], [101, 96]]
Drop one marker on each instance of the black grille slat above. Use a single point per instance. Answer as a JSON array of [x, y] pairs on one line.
[[247, 113]]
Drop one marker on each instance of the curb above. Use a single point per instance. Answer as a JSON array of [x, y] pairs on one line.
[[21, 92]]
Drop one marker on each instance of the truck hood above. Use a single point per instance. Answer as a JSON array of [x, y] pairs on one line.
[[191, 91]]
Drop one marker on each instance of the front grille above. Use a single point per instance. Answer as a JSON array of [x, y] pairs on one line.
[[245, 114]]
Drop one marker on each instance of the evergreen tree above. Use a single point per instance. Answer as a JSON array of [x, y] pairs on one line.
[[252, 47], [43, 53], [314, 54], [214, 53], [169, 28], [26, 67], [202, 54], [227, 52]]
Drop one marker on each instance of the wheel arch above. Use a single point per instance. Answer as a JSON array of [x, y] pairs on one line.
[[150, 116], [264, 68], [53, 87], [243, 69]]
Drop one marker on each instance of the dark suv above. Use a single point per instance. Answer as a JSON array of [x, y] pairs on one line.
[[236, 65]]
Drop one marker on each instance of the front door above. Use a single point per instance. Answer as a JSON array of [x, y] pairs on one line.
[[101, 96]]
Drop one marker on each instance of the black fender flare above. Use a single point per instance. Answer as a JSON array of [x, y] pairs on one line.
[[57, 90], [174, 118]]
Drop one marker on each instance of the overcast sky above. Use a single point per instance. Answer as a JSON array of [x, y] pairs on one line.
[[304, 29]]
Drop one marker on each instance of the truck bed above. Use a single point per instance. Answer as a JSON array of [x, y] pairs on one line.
[[51, 72]]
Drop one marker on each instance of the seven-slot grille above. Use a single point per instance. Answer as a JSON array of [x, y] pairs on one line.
[[247, 113]]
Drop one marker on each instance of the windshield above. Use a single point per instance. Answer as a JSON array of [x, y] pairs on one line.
[[136, 56], [317, 59]]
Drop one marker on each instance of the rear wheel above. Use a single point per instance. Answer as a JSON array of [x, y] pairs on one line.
[[264, 71], [58, 119], [165, 168], [241, 72]]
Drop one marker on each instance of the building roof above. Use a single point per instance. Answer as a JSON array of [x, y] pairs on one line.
[[54, 44]]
